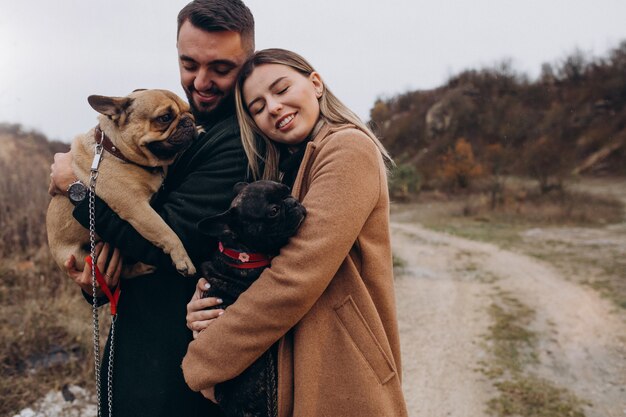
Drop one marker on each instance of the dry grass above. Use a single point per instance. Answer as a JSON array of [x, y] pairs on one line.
[[45, 324], [519, 203], [562, 207], [24, 168], [45, 341]]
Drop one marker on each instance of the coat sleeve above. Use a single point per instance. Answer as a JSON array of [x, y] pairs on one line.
[[205, 189], [344, 187]]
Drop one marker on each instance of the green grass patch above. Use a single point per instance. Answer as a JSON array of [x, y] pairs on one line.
[[513, 346], [398, 262], [512, 343], [529, 396]]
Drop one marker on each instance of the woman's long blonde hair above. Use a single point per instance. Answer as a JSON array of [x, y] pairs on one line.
[[332, 111]]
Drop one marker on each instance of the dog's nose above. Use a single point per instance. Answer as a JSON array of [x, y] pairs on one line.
[[184, 133], [185, 123], [292, 203]]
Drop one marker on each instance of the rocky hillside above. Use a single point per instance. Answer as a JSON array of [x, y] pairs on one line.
[[496, 121]]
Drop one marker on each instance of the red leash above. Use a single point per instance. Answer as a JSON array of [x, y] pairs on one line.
[[115, 296]]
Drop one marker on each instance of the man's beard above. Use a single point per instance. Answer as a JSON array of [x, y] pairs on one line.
[[225, 107]]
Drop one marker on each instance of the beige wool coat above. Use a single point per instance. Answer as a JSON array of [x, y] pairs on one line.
[[328, 296]]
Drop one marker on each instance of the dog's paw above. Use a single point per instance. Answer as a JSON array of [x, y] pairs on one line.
[[184, 266], [186, 269]]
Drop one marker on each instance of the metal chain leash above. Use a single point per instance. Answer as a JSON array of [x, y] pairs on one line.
[[96, 324], [92, 241], [110, 367]]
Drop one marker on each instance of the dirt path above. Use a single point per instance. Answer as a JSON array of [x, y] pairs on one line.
[[443, 295]]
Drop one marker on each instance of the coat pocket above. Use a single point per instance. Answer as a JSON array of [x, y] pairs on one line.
[[355, 325]]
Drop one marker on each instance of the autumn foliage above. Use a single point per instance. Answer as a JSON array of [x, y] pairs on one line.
[[458, 165], [496, 122]]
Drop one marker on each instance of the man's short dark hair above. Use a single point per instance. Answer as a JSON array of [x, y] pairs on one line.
[[218, 16]]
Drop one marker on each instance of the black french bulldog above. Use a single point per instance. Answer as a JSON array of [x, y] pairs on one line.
[[261, 219]]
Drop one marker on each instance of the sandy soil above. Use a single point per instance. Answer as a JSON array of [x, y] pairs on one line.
[[443, 295]]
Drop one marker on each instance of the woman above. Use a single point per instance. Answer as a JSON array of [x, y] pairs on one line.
[[328, 298]]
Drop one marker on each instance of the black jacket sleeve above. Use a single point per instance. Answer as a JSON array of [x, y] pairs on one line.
[[100, 301], [198, 185]]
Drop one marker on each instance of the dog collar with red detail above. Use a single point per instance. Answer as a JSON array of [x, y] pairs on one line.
[[248, 260]]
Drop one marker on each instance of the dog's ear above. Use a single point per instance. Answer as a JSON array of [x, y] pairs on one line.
[[109, 106], [216, 226], [239, 186]]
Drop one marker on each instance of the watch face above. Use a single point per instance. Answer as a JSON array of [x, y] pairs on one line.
[[77, 192]]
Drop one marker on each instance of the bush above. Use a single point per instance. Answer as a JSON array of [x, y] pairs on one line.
[[404, 182], [458, 166]]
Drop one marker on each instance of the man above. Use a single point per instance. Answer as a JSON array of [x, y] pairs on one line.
[[214, 39]]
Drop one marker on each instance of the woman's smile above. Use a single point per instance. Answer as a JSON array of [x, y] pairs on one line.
[[284, 123]]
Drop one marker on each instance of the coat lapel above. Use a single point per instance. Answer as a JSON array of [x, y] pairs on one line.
[[307, 159]]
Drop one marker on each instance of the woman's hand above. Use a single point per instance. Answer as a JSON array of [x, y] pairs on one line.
[[109, 263], [198, 318], [61, 174]]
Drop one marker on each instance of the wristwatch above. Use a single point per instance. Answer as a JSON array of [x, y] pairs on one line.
[[77, 191]]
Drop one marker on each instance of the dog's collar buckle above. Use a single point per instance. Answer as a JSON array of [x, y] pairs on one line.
[[96, 159]]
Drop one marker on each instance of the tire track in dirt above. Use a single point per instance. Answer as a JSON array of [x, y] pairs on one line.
[[444, 291]]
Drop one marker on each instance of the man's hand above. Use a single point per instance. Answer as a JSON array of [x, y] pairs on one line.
[[61, 174], [110, 264], [198, 318], [209, 394]]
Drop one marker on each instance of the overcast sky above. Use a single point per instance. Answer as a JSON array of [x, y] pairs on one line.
[[53, 54]]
